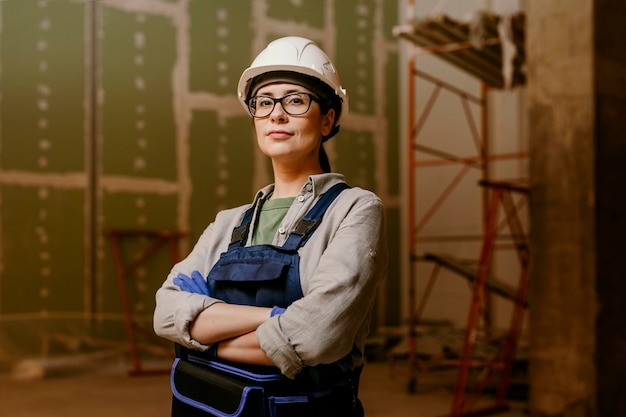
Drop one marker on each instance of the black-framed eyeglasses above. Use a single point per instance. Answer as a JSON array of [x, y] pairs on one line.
[[294, 104]]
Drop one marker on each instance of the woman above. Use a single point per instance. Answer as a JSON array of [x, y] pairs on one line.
[[308, 309]]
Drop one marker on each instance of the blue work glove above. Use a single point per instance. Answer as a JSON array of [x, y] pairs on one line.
[[276, 310], [195, 284]]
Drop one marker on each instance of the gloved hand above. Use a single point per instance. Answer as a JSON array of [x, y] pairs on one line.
[[276, 310], [195, 284]]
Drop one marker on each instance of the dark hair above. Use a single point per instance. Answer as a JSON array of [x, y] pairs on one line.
[[324, 162]]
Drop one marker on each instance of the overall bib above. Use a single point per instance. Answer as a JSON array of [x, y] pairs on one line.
[[264, 276]]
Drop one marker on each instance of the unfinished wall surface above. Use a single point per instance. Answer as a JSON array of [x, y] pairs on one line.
[[122, 114], [576, 91], [561, 113]]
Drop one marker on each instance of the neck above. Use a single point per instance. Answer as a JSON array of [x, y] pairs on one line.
[[289, 183]]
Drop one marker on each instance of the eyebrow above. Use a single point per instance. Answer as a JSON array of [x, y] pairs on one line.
[[270, 94]]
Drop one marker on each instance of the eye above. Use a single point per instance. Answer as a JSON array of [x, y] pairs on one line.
[[264, 102], [297, 99]]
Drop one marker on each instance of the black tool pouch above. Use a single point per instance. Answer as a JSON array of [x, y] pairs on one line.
[[205, 387]]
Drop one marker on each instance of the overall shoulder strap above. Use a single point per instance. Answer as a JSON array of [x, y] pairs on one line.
[[305, 227], [240, 233]]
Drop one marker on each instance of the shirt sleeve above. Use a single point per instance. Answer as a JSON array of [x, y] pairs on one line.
[[176, 309], [322, 326]]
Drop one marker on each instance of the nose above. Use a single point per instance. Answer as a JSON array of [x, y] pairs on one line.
[[278, 112]]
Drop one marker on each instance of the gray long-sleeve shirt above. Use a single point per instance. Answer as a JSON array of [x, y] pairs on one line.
[[340, 268]]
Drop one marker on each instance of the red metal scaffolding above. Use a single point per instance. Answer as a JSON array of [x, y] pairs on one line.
[[500, 366], [497, 197], [124, 270]]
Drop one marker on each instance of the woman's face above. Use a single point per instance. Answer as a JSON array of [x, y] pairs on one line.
[[292, 140]]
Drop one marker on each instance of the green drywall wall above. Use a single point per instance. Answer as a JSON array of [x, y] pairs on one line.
[[356, 158], [42, 57], [222, 160], [308, 12], [43, 241], [170, 144], [354, 56], [393, 138], [138, 53], [220, 44]]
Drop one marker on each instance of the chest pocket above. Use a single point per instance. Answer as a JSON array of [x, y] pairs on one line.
[[263, 276], [266, 275]]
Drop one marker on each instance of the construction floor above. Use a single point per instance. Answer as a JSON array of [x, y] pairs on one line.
[[111, 391]]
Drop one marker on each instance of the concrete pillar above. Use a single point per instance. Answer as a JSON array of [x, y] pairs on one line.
[[576, 57], [610, 138]]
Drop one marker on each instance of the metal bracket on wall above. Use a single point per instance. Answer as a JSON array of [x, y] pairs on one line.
[[124, 270]]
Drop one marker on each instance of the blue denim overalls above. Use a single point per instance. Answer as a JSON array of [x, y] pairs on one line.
[[265, 276]]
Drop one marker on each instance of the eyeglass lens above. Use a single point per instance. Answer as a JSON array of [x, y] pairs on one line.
[[294, 104]]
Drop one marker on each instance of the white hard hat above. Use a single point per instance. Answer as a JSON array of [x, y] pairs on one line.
[[286, 59]]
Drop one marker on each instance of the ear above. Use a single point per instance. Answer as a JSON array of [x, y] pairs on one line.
[[328, 122]]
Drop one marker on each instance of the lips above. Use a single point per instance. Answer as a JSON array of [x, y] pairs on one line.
[[278, 134]]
